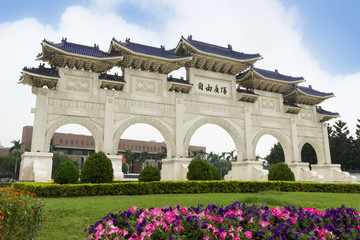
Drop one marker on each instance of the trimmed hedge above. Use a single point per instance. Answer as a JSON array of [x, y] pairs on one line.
[[181, 187]]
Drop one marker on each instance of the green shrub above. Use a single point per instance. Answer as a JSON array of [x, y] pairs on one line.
[[149, 174], [199, 170], [97, 169], [66, 173], [281, 172], [181, 187]]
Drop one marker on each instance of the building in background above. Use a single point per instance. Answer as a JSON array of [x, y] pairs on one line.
[[78, 146]]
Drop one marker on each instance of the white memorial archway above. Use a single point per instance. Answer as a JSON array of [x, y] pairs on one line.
[[221, 87]]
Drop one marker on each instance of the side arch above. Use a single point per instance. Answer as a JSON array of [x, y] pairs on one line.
[[223, 123], [283, 139], [85, 122], [318, 147], [156, 123]]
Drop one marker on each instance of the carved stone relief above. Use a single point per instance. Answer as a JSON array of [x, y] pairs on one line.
[[146, 86], [77, 84]]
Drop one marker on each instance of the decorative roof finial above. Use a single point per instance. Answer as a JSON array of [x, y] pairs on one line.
[[127, 40], [162, 47], [310, 86], [276, 71], [64, 40], [190, 37], [96, 46], [229, 47]]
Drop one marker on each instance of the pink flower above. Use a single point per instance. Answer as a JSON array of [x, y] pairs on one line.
[[239, 229], [206, 238], [248, 234], [91, 236], [132, 209], [223, 234], [116, 238], [237, 237], [114, 230], [99, 233], [184, 210], [99, 227], [231, 229], [358, 227], [109, 223], [264, 223], [221, 220]]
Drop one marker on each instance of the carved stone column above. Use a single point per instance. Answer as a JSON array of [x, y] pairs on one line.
[[296, 158], [109, 124], [179, 129], [40, 118], [248, 137]]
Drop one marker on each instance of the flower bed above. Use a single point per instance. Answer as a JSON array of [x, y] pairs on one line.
[[236, 221], [21, 214]]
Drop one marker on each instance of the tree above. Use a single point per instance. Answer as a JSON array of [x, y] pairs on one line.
[[160, 156], [16, 147], [143, 157], [130, 157], [276, 154], [341, 146], [231, 156]]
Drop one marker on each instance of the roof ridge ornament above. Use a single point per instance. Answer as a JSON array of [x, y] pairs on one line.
[[230, 47], [127, 40], [64, 40], [190, 37], [96, 46], [162, 47]]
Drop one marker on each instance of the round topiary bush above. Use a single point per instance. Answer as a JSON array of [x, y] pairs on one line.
[[66, 173], [149, 174], [281, 172], [97, 169], [199, 170]]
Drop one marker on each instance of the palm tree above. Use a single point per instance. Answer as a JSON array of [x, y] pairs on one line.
[[130, 156], [231, 156], [161, 155], [16, 147], [143, 157]]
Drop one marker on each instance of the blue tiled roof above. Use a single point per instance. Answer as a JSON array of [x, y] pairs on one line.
[[81, 49], [322, 111], [228, 52], [241, 90], [178, 80], [111, 77], [160, 52], [287, 103], [42, 70], [270, 74], [309, 90]]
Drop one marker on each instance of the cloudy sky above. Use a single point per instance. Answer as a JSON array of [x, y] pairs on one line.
[[318, 40]]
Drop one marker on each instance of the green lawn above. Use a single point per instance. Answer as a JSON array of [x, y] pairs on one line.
[[67, 217]]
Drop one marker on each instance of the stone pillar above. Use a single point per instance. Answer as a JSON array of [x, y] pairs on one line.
[[179, 129], [36, 167], [248, 138], [327, 155], [116, 161], [109, 124], [174, 169], [296, 158], [40, 118]]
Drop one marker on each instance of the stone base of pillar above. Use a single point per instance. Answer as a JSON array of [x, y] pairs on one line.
[[247, 171], [333, 173], [116, 161], [303, 174], [175, 169], [36, 167]]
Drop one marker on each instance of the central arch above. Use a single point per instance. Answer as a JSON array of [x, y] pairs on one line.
[[282, 139], [93, 128], [228, 126], [154, 122]]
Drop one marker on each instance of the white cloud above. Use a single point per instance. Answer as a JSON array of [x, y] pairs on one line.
[[264, 27]]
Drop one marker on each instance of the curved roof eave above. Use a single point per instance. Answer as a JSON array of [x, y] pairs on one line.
[[185, 58], [77, 54], [217, 55]]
